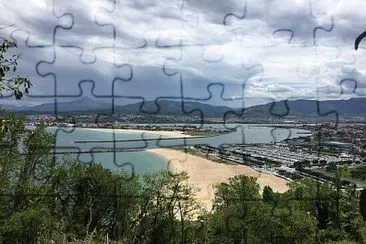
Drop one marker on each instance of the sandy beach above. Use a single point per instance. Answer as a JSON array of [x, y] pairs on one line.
[[204, 173], [163, 133]]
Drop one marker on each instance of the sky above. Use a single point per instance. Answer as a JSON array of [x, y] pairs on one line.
[[234, 53]]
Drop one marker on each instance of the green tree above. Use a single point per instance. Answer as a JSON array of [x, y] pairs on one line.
[[165, 209], [281, 224], [239, 190], [335, 210], [25, 169], [9, 81], [242, 216], [92, 201], [268, 194], [233, 204]]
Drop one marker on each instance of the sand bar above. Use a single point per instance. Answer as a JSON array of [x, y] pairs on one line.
[[204, 173], [175, 134]]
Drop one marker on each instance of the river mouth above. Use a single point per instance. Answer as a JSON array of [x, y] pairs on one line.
[[117, 150]]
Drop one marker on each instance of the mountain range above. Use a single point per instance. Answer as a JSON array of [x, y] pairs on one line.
[[301, 107]]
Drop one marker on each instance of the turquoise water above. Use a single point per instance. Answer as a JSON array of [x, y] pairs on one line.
[[136, 160]]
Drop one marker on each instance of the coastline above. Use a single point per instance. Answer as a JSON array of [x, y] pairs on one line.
[[204, 174]]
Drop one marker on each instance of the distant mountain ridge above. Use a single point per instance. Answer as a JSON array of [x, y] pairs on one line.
[[301, 107], [311, 108]]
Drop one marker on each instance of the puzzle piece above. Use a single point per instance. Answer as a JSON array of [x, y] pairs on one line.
[[317, 72], [62, 149], [156, 79], [278, 136], [340, 34], [191, 233], [233, 19], [122, 144], [40, 33], [274, 21], [170, 165], [199, 85], [351, 74], [216, 95], [30, 67], [63, 146], [82, 24], [250, 88], [85, 148], [68, 81], [350, 86]]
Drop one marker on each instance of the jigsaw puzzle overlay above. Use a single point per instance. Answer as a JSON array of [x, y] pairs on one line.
[[68, 62]]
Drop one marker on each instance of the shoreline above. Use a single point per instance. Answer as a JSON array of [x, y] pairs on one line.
[[204, 174]]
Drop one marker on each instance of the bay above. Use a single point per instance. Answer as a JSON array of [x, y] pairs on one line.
[[126, 150]]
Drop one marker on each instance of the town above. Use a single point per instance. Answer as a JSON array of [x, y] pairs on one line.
[[329, 147], [312, 157]]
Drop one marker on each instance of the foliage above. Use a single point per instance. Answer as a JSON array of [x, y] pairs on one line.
[[44, 199], [249, 218], [8, 66], [359, 173]]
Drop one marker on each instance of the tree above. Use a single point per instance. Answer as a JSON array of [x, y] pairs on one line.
[[233, 204], [268, 194], [9, 82], [335, 210], [280, 224], [165, 210], [242, 216], [8, 66], [363, 204], [240, 189]]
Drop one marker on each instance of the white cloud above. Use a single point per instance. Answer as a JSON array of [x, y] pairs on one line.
[[211, 52]]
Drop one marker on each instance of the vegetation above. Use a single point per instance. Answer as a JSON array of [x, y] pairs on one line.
[[9, 82], [359, 173], [352, 173], [43, 201]]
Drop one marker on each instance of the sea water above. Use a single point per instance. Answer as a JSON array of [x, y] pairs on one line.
[[138, 161], [93, 143]]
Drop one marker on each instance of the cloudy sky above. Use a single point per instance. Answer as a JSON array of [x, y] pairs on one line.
[[233, 52]]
